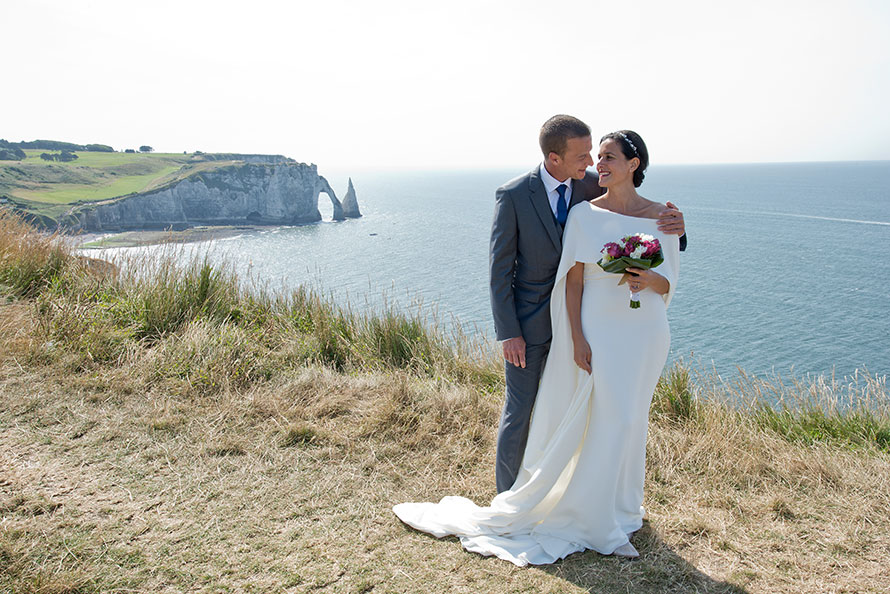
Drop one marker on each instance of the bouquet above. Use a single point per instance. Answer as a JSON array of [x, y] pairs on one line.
[[633, 251]]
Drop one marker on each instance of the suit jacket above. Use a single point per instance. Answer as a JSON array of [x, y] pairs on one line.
[[526, 243]]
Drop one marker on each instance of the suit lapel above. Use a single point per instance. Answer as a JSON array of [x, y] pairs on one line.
[[585, 189], [578, 192], [538, 196]]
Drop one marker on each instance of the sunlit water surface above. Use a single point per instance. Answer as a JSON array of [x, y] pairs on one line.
[[787, 271]]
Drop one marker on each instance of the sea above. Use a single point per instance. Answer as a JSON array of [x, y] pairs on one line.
[[787, 272]]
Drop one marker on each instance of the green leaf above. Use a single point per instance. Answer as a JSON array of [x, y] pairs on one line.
[[621, 264]]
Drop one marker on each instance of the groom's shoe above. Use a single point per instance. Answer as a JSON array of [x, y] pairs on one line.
[[626, 550]]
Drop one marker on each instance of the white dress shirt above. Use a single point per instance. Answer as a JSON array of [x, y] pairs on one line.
[[550, 184]]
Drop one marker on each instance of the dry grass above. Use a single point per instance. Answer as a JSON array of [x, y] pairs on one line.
[[288, 487], [257, 446]]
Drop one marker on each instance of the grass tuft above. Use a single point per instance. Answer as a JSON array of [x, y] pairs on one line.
[[674, 396], [29, 505], [854, 412], [227, 449], [30, 262], [298, 434]]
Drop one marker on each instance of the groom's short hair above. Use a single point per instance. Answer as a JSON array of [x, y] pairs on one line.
[[556, 131]]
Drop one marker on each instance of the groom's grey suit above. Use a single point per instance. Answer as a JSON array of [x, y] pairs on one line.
[[526, 243]]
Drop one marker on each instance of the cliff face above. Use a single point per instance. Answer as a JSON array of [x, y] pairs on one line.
[[243, 194]]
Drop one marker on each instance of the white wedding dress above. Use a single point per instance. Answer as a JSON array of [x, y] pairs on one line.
[[581, 482]]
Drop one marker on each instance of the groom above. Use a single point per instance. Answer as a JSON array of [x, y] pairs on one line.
[[526, 241]]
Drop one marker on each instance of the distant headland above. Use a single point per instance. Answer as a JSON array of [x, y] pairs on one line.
[[93, 188]]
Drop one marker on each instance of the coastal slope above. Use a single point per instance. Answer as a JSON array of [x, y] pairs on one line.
[[102, 191]]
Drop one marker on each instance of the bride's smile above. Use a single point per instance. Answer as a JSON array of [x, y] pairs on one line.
[[612, 166]]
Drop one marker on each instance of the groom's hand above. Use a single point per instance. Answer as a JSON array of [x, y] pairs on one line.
[[671, 221], [514, 351]]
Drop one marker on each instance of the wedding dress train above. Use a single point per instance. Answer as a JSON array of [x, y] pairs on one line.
[[581, 482]]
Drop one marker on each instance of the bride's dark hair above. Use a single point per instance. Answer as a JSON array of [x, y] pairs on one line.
[[632, 146]]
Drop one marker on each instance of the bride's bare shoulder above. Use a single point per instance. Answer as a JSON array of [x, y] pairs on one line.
[[652, 209]]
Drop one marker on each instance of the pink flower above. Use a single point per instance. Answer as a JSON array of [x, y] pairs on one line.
[[652, 248]]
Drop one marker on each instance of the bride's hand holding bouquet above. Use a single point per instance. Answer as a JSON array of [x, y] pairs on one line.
[[639, 279]]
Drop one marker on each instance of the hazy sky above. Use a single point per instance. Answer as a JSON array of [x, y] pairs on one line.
[[451, 84]]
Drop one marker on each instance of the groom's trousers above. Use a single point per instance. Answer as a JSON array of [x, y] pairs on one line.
[[522, 388]]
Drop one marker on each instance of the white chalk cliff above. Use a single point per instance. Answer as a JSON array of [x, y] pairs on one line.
[[282, 193]]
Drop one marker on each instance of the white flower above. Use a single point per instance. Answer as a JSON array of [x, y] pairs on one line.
[[638, 252], [645, 237]]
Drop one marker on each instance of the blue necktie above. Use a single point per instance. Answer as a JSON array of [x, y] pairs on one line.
[[562, 211]]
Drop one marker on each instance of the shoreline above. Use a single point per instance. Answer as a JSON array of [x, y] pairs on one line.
[[126, 239]]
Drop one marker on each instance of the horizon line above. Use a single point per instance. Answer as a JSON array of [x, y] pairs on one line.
[[673, 164]]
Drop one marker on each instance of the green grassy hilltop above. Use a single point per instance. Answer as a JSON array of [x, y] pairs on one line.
[[49, 188], [164, 428]]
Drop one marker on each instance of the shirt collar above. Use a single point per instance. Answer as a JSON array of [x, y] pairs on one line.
[[550, 182]]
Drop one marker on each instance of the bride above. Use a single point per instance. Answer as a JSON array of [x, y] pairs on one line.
[[581, 481]]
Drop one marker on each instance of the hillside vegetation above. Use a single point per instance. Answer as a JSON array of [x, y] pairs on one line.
[[165, 429], [49, 188]]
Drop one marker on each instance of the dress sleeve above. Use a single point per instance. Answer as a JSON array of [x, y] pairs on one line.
[[578, 243], [670, 268]]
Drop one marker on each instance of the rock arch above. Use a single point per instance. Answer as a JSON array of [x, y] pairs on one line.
[[322, 185]]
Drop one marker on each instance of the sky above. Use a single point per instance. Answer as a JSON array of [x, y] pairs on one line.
[[351, 84]]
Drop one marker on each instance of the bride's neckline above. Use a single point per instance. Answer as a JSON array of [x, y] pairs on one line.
[[621, 214]]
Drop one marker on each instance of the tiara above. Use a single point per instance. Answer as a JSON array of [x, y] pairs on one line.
[[627, 140]]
